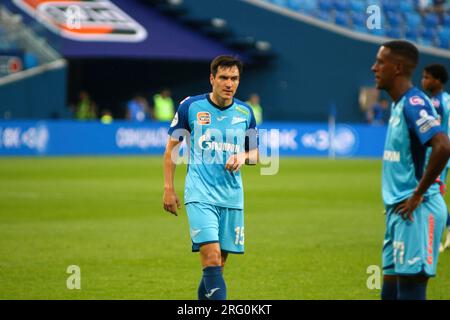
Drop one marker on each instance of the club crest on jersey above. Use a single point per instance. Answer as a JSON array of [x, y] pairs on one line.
[[203, 118], [85, 20], [416, 101]]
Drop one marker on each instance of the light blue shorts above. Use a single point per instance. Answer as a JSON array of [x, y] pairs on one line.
[[412, 248], [210, 224]]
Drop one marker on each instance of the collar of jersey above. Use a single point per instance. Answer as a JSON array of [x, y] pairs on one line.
[[404, 95], [216, 106]]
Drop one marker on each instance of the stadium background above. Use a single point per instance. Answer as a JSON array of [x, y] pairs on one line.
[[312, 230]]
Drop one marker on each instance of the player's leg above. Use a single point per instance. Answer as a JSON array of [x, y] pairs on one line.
[[412, 287], [213, 281], [389, 288], [204, 229], [418, 249]]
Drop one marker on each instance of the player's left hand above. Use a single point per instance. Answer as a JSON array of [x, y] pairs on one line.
[[235, 162], [406, 208]]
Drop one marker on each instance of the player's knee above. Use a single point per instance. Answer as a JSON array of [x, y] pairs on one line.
[[212, 258]]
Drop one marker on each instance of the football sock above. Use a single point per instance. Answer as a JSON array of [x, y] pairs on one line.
[[214, 283], [409, 290], [201, 290], [389, 290]]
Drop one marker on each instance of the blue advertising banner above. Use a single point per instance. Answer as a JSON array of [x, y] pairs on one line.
[[66, 138]]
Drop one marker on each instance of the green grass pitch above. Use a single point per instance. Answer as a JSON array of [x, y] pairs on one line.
[[311, 231]]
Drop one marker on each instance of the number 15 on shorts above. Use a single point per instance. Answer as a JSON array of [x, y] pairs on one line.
[[239, 236]]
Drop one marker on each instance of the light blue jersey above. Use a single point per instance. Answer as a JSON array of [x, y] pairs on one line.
[[412, 124], [441, 102], [215, 134]]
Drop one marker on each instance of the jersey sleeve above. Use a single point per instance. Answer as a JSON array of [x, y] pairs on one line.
[[251, 137], [421, 119], [180, 122]]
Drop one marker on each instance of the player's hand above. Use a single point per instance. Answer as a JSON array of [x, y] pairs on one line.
[[235, 162], [171, 201], [406, 208]]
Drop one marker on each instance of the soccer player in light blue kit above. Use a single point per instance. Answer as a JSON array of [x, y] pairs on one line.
[[221, 132], [434, 78], [415, 210]]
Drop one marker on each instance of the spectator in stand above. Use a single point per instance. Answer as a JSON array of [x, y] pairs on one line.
[[254, 103], [86, 108], [163, 106], [138, 109]]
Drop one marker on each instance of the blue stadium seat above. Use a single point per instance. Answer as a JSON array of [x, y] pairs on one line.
[[281, 3], [358, 19], [394, 18], [429, 35], [407, 6], [357, 6], [413, 20], [394, 33], [431, 20], [444, 38], [446, 20], [341, 5], [412, 34], [376, 32], [341, 19], [325, 5], [323, 15], [307, 6], [391, 6], [293, 4]]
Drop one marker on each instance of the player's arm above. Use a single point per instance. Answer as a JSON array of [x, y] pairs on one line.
[[170, 198], [251, 154], [428, 130], [178, 131]]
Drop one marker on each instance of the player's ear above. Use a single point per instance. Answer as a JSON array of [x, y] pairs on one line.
[[211, 78]]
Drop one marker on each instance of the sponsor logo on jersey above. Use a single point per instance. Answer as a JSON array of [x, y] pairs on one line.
[[391, 156], [237, 120], [203, 118], [85, 20], [205, 142], [417, 101], [426, 121]]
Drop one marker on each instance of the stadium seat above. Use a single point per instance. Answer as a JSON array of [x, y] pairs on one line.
[[325, 5], [446, 20], [341, 19], [429, 35], [412, 34], [431, 20], [394, 33], [444, 38], [281, 3], [390, 6], [394, 19], [307, 6], [357, 6], [341, 5], [358, 19], [293, 4], [407, 6], [413, 20], [323, 15]]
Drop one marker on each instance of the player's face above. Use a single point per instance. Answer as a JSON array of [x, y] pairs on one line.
[[385, 69], [428, 82], [225, 83]]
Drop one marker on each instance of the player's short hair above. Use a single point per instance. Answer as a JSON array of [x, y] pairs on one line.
[[227, 62], [437, 71], [406, 51]]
